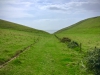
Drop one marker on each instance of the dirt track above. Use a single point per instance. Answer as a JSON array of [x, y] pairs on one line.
[[16, 55]]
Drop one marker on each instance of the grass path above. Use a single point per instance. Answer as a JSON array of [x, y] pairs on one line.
[[47, 57]]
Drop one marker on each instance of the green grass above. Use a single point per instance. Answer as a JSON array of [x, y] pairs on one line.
[[48, 56], [9, 25], [86, 32], [12, 41], [15, 37], [90, 26]]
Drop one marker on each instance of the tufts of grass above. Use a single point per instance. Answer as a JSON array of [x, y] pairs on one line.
[[17, 62]]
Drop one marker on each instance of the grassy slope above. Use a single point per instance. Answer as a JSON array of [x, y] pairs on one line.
[[86, 32], [9, 25], [90, 25], [15, 37]]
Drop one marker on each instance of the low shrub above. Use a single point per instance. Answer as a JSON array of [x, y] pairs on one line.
[[65, 39], [93, 61], [73, 44]]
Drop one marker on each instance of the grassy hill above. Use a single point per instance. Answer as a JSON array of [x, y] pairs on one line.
[[86, 32], [9, 25], [90, 25], [15, 38]]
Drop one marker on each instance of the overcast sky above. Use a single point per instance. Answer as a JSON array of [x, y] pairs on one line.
[[48, 14]]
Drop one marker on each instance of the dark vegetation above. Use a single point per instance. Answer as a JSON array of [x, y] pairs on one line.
[[93, 61], [65, 40], [73, 44], [69, 43]]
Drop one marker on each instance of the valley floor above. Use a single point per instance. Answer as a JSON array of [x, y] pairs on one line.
[[47, 57]]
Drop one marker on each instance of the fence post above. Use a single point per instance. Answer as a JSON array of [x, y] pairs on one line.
[[80, 47]]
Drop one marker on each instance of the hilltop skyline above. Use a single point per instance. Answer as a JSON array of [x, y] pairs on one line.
[[48, 14]]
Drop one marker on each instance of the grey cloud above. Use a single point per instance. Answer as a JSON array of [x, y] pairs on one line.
[[91, 6], [56, 8], [94, 1], [86, 5], [53, 1]]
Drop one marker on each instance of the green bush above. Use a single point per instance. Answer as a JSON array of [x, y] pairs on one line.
[[65, 39], [73, 44], [93, 61]]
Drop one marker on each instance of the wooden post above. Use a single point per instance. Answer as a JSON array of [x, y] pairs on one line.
[[80, 47]]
